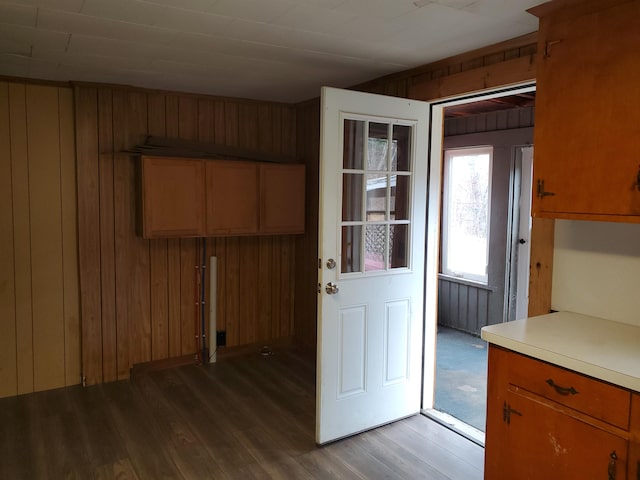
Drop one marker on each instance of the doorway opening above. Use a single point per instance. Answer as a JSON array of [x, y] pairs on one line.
[[483, 262]]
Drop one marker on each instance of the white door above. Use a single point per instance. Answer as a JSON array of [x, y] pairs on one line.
[[373, 198]]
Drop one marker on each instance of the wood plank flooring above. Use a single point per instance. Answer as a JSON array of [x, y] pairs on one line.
[[243, 418]]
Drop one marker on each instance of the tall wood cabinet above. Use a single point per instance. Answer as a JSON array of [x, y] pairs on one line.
[[184, 197], [546, 422], [587, 136]]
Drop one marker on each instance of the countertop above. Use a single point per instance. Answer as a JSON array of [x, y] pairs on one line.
[[600, 348]]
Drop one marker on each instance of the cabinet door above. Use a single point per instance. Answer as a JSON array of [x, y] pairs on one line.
[[232, 197], [587, 134], [173, 197], [634, 447], [537, 441], [282, 198]]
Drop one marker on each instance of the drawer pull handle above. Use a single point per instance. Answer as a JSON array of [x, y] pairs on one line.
[[562, 390], [612, 465]]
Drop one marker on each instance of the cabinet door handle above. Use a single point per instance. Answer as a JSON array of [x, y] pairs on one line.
[[612, 465], [562, 390]]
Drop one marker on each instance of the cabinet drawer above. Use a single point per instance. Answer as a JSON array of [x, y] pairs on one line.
[[597, 399]]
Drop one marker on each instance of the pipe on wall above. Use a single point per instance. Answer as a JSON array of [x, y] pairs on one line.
[[213, 302]]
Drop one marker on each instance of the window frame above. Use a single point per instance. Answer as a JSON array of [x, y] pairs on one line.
[[447, 156]]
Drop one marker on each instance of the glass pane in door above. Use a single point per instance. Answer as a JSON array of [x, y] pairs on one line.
[[378, 147], [375, 241], [398, 243], [376, 197], [402, 148], [400, 197], [351, 197], [353, 146], [351, 242]]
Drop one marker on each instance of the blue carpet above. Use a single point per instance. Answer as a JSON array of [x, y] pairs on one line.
[[461, 376]]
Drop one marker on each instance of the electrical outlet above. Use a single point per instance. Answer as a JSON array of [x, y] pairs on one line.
[[221, 338]]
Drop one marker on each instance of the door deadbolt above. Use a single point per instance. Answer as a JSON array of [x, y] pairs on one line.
[[331, 264], [331, 288]]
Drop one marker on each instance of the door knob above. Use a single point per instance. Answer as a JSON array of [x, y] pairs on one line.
[[331, 288]]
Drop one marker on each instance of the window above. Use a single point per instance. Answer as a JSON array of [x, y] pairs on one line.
[[466, 207]]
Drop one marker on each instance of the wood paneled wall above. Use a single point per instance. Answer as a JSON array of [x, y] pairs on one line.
[[308, 145], [498, 65], [39, 305], [138, 296], [502, 64]]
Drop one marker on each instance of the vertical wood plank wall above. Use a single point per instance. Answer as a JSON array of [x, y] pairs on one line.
[[308, 145], [139, 295], [39, 304], [462, 306], [502, 64]]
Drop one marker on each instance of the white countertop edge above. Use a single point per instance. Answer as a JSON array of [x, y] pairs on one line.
[[585, 368], [501, 335]]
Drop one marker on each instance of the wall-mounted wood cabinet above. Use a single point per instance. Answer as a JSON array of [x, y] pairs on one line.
[[232, 198], [173, 194], [281, 198], [544, 421], [587, 135], [205, 198]]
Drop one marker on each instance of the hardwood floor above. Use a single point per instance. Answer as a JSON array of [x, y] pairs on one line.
[[242, 418]]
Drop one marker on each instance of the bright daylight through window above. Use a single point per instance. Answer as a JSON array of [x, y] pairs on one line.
[[466, 206]]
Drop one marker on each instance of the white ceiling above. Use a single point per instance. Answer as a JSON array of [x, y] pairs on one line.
[[281, 50]]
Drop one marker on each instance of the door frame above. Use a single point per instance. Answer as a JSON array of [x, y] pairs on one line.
[[432, 247]]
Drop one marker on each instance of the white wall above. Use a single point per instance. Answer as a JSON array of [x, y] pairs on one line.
[[596, 269]]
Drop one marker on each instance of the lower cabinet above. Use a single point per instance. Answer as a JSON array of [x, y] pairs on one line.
[[546, 422]]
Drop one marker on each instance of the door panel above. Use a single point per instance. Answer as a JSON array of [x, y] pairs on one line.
[[371, 278]]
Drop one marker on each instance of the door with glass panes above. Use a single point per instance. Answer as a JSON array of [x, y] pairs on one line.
[[373, 187]]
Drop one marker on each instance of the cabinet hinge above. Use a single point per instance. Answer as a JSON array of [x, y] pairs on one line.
[[547, 47], [507, 411], [540, 193]]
